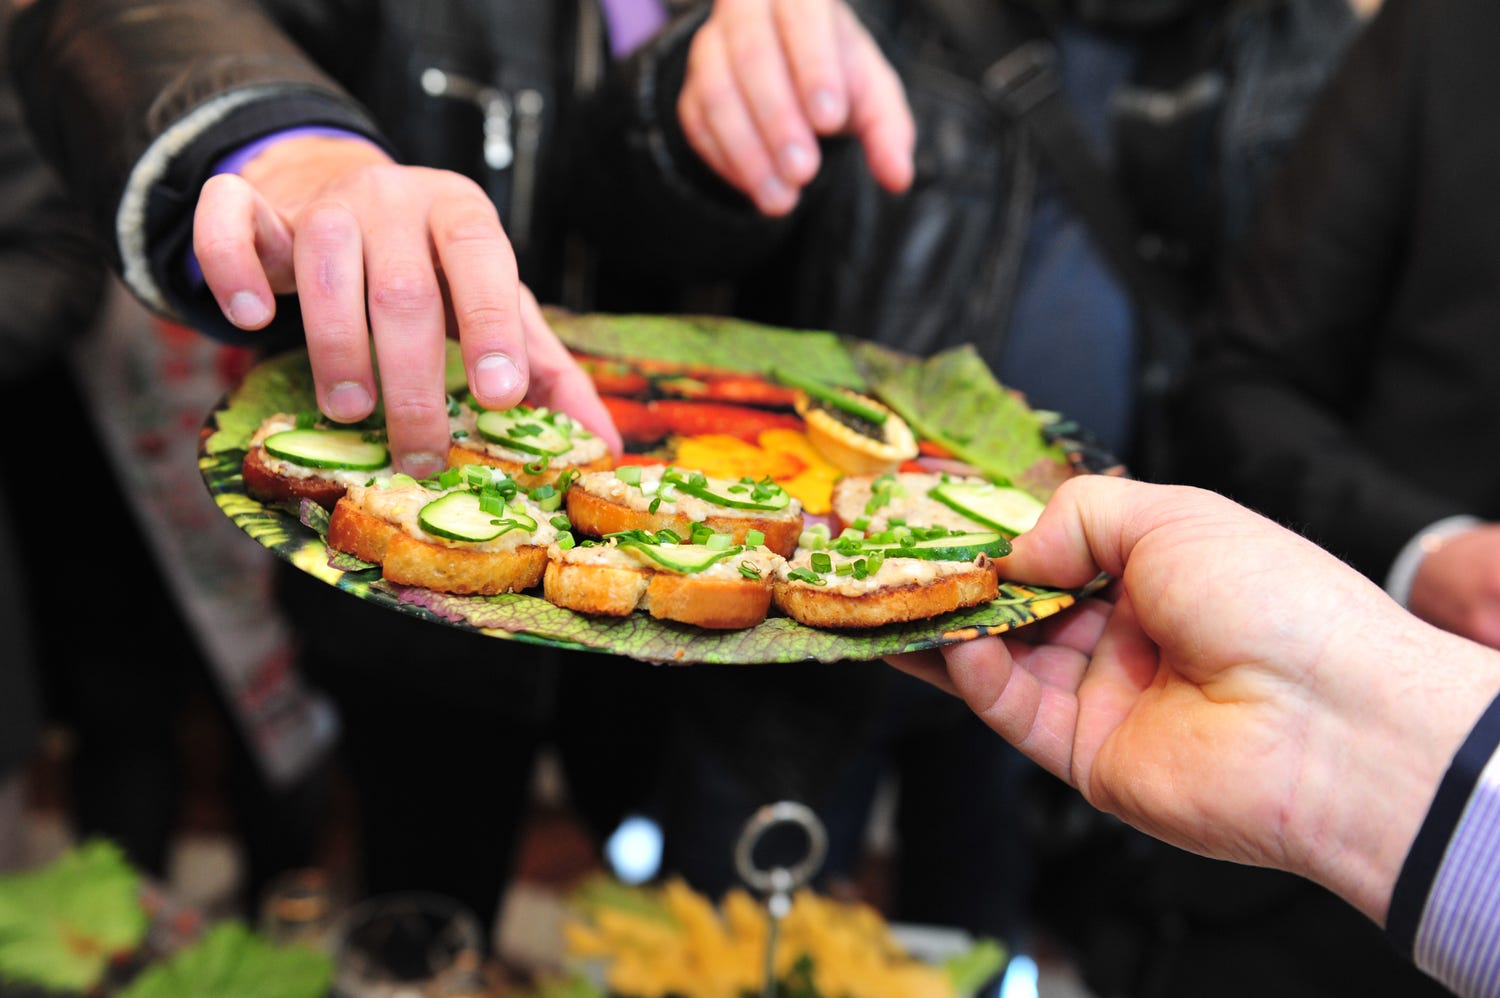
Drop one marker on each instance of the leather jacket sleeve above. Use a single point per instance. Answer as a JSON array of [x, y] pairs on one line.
[[133, 103], [1295, 404]]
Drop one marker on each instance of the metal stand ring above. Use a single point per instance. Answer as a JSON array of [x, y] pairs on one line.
[[780, 879]]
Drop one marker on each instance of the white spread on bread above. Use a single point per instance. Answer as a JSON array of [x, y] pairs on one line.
[[608, 485], [399, 502], [894, 573], [908, 502], [765, 561]]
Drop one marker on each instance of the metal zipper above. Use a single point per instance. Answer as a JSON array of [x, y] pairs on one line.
[[493, 103], [529, 106]]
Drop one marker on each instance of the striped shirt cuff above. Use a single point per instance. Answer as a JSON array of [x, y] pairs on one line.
[[1445, 909]]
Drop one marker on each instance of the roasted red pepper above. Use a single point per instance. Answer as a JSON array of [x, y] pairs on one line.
[[694, 419]]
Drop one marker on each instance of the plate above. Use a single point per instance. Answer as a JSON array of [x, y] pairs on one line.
[[671, 364]]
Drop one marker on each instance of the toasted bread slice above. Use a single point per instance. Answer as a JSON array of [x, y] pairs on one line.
[[602, 503], [534, 446], [273, 479], [607, 580], [390, 523], [901, 590]]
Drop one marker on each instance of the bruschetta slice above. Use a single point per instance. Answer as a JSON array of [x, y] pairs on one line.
[[533, 445], [469, 530], [657, 498]]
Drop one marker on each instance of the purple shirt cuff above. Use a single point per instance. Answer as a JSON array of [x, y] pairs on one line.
[[632, 22]]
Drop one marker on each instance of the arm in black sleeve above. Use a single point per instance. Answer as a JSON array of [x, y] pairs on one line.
[[133, 104]]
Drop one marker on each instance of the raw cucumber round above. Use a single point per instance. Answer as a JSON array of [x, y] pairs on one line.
[[459, 516], [522, 430], [999, 507], [350, 450]]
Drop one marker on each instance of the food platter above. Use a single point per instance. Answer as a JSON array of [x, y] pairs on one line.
[[678, 388]]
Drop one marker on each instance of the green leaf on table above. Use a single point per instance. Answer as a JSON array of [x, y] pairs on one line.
[[62, 923], [972, 969], [952, 398], [715, 341], [230, 961]]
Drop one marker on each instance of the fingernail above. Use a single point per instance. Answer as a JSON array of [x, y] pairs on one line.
[[826, 111], [421, 464], [796, 161], [774, 197], [348, 401], [496, 376], [247, 310]]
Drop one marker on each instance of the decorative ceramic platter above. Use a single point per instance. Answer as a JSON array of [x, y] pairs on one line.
[[697, 392]]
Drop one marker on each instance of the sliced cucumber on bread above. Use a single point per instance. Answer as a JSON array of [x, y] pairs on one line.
[[1004, 508], [462, 516], [953, 547], [684, 559], [744, 494], [524, 430], [347, 449]]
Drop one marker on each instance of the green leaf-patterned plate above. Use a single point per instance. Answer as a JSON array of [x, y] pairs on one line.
[[945, 398]]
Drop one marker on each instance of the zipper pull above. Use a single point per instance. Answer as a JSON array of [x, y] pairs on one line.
[[499, 150]]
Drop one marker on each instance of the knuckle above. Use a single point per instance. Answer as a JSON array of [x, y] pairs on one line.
[[405, 288], [412, 406]]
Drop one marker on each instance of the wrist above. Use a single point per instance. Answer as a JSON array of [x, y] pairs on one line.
[[1411, 696]]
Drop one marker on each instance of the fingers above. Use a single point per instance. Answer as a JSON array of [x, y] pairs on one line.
[[767, 77], [557, 381], [879, 115], [479, 267], [1038, 719], [928, 666], [243, 249], [737, 109], [811, 34], [329, 261], [409, 330]]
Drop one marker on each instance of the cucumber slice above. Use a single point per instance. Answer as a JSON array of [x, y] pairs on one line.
[[343, 449], [458, 516], [999, 507], [719, 493], [854, 404], [954, 547], [522, 430], [686, 559]]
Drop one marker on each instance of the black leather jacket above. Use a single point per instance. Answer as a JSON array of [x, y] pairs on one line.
[[134, 103]]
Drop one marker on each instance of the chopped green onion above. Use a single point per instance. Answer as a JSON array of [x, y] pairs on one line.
[[565, 540], [630, 474], [561, 523], [754, 538], [718, 542], [748, 570], [821, 562]]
